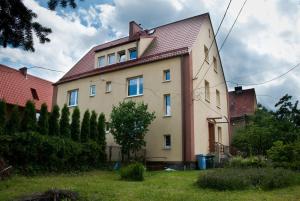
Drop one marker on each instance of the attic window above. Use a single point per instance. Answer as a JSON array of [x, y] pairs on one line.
[[34, 94]]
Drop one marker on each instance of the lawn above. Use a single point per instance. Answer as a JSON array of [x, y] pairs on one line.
[[105, 185]]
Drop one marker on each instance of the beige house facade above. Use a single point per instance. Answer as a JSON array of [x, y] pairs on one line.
[[171, 68]]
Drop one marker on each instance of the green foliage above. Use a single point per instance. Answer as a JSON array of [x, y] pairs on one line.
[[254, 161], [85, 127], [2, 116], [43, 126], [13, 123], [29, 117], [93, 126], [129, 125], [54, 121], [240, 179], [75, 125], [133, 172], [101, 131], [30, 152], [285, 155], [64, 124]]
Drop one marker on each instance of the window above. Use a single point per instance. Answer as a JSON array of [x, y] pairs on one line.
[[218, 98], [108, 87], [167, 103], [135, 86], [34, 94], [215, 64], [92, 90], [209, 33], [206, 54], [73, 97], [167, 75], [220, 135], [111, 59], [207, 93], [167, 141], [122, 56], [132, 54], [101, 61]]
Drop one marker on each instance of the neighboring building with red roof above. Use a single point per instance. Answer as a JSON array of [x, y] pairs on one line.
[[174, 68], [242, 103], [17, 87]]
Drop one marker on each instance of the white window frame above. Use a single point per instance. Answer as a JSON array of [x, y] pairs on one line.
[[206, 91], [76, 97], [165, 141], [167, 112], [108, 87], [108, 57], [165, 75], [92, 94], [98, 62], [138, 86], [132, 49], [218, 98]]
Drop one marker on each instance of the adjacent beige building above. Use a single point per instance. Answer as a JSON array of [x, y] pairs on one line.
[[175, 69]]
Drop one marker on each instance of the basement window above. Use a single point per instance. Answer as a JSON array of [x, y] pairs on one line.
[[34, 94], [167, 141]]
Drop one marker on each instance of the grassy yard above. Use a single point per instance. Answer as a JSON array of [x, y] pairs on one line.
[[104, 185]]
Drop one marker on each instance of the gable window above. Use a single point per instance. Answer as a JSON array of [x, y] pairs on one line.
[[34, 94], [132, 54], [167, 141], [215, 64], [122, 56], [73, 97], [167, 104], [92, 90], [167, 75], [206, 54], [135, 86], [207, 92], [101, 61], [108, 87], [218, 98], [111, 58]]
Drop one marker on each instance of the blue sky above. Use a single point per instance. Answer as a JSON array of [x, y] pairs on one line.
[[264, 43]]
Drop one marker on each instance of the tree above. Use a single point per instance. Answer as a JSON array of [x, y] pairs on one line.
[[129, 125], [2, 116], [54, 121], [13, 123], [64, 123], [85, 127], [101, 131], [75, 125], [43, 126], [18, 23], [93, 126], [29, 117]]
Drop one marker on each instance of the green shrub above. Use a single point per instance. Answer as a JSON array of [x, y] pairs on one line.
[[43, 124], [75, 125], [28, 122], [239, 179], [254, 161], [2, 116], [64, 122], [133, 172], [54, 121], [85, 127]]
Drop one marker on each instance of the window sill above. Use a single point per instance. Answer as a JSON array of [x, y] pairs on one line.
[[134, 96], [108, 92], [166, 81], [167, 116], [70, 106], [92, 95], [167, 148]]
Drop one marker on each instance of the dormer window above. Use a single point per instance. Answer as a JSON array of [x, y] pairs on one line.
[[111, 59], [132, 54], [121, 56], [101, 61]]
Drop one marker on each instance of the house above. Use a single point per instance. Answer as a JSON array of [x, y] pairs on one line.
[[171, 68], [17, 87], [242, 103]]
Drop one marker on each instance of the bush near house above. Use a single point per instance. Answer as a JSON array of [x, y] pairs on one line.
[[254, 161], [133, 172]]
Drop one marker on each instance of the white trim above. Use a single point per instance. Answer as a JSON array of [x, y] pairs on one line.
[[137, 88]]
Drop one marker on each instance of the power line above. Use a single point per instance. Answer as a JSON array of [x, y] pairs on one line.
[[218, 29], [49, 69]]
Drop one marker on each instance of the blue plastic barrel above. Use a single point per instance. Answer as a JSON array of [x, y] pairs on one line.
[[201, 161]]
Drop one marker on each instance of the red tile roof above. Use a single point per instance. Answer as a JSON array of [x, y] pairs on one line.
[[170, 39], [243, 103], [16, 89]]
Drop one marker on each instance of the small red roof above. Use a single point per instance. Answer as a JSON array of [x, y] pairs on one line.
[[242, 103], [173, 37], [16, 88]]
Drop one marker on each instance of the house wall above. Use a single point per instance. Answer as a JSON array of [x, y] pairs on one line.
[[154, 90], [208, 109]]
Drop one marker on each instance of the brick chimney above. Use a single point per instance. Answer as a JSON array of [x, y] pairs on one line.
[[238, 89], [23, 71], [134, 29]]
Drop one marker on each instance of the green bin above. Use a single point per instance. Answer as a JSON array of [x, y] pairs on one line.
[[210, 163]]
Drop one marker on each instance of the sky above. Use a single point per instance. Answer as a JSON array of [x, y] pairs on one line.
[[264, 43]]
